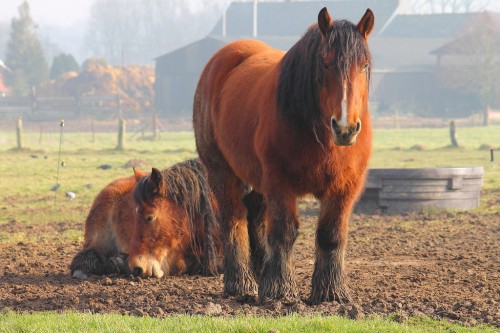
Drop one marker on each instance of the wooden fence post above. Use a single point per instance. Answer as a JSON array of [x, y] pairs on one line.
[[33, 101], [486, 115], [41, 134], [396, 118], [156, 136], [121, 134], [93, 131], [453, 134], [19, 132]]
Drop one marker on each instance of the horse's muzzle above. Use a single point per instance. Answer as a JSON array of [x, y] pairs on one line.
[[145, 266], [345, 135]]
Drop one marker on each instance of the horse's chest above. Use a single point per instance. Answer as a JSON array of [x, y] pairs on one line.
[[320, 175], [309, 177]]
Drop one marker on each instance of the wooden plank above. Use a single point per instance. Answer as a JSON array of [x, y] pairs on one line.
[[406, 196], [425, 173], [417, 188], [456, 183], [432, 182], [391, 206]]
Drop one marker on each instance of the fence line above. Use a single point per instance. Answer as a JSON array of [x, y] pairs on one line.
[[37, 108]]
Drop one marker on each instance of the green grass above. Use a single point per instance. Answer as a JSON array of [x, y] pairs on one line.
[[78, 322], [25, 198], [434, 138]]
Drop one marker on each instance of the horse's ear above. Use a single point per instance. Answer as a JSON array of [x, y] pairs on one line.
[[365, 25], [156, 181], [324, 21], [138, 174]]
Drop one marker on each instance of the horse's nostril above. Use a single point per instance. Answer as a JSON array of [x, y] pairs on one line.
[[137, 271], [335, 125], [358, 126]]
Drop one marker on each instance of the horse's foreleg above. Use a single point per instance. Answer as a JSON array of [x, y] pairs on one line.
[[328, 281], [277, 278]]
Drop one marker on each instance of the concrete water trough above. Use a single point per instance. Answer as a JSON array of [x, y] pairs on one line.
[[404, 190]]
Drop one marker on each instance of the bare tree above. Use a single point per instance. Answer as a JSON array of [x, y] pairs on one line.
[[449, 6], [137, 31], [471, 63]]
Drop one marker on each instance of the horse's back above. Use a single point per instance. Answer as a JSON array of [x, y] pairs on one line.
[[222, 66], [233, 80], [103, 220]]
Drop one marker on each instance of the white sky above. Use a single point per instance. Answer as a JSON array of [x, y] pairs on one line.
[[68, 12], [50, 12]]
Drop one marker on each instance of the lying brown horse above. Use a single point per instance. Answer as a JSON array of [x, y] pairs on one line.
[[156, 224], [287, 124]]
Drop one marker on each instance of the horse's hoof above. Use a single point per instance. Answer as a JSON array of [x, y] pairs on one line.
[[209, 272], [78, 274], [243, 294], [342, 297], [246, 299]]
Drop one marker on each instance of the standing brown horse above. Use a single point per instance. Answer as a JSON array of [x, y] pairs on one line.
[[155, 224], [287, 124]]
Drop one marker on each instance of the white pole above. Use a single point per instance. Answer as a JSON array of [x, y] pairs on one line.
[[224, 23], [255, 18]]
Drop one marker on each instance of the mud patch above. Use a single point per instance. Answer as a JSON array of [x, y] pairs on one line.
[[442, 265]]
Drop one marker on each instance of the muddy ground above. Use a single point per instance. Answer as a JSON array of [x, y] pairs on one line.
[[443, 265]]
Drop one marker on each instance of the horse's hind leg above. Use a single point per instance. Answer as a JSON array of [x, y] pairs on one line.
[[86, 262], [254, 203], [209, 263], [277, 277], [238, 275], [328, 281]]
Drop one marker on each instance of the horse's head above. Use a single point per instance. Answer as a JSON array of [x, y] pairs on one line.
[[345, 64], [155, 218]]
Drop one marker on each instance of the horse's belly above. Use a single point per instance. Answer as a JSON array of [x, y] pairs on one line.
[[240, 155]]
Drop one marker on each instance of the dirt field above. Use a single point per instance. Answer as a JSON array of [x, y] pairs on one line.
[[444, 265]]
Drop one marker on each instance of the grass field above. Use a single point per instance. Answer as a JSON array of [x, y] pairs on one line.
[[27, 176], [77, 322]]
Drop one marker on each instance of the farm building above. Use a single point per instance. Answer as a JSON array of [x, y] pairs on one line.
[[408, 59], [404, 75]]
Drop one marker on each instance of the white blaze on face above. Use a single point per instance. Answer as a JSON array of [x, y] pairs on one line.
[[343, 115]]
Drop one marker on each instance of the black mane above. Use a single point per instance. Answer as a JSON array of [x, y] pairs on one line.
[[303, 71]]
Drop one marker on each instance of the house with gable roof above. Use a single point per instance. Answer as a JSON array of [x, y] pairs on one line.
[[406, 65]]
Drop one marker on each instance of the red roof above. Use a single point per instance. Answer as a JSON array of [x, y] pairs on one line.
[[3, 88]]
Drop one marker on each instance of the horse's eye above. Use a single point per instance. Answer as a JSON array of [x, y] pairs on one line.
[[365, 67], [150, 218]]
